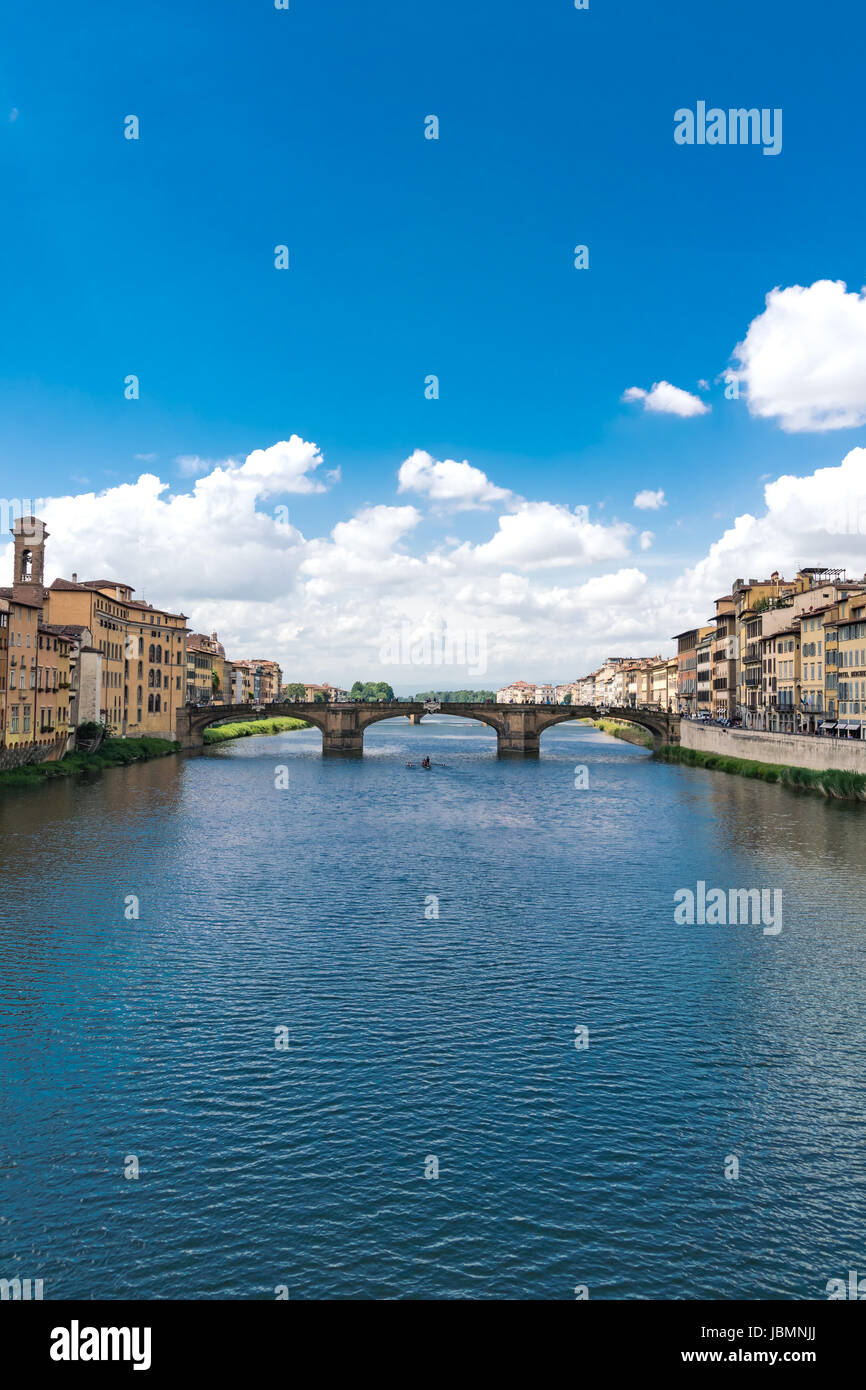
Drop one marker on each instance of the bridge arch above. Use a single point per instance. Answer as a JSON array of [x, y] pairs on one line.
[[663, 727]]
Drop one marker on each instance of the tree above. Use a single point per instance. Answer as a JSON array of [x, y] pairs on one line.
[[294, 691], [371, 690], [566, 699]]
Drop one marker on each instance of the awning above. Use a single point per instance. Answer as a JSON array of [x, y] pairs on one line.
[[828, 725]]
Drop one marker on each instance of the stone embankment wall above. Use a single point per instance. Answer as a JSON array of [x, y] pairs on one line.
[[789, 750], [25, 754]]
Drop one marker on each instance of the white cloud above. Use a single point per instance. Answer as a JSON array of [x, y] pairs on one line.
[[222, 552], [667, 400], [365, 550], [448, 481], [190, 465], [819, 519], [284, 467], [323, 606], [803, 360], [545, 535], [650, 501]]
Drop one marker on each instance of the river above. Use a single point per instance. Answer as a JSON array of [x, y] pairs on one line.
[[347, 974]]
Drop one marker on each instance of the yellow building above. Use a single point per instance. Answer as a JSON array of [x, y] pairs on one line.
[[51, 717], [143, 653], [786, 656], [664, 684], [23, 639], [4, 663], [723, 699], [845, 665], [205, 668]]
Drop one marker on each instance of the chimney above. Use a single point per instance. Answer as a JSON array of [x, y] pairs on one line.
[[74, 577]]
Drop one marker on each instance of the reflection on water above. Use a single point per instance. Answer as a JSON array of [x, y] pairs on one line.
[[414, 1035]]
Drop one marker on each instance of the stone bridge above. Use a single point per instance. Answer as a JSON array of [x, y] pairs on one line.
[[518, 727]]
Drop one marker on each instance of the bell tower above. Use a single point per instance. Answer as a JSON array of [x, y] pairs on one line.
[[29, 573]]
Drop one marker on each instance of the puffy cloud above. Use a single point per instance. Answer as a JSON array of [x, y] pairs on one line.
[[448, 481], [284, 467], [650, 501], [803, 360], [326, 607], [545, 535], [210, 544], [667, 400], [362, 551], [819, 519]]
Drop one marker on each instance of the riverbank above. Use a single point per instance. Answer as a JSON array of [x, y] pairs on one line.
[[223, 733], [113, 753], [617, 728], [838, 784]]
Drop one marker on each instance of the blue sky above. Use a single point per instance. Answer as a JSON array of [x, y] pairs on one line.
[[410, 256]]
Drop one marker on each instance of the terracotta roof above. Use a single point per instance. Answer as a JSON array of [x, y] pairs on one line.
[[70, 630], [24, 602], [106, 584]]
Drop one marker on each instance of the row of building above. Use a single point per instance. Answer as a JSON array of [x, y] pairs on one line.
[[785, 656], [81, 651], [620, 681]]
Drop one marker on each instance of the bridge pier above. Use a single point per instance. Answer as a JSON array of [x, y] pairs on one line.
[[517, 735], [188, 736], [342, 734]]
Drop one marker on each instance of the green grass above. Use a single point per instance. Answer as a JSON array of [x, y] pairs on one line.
[[113, 753], [832, 782], [620, 728], [223, 732]]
